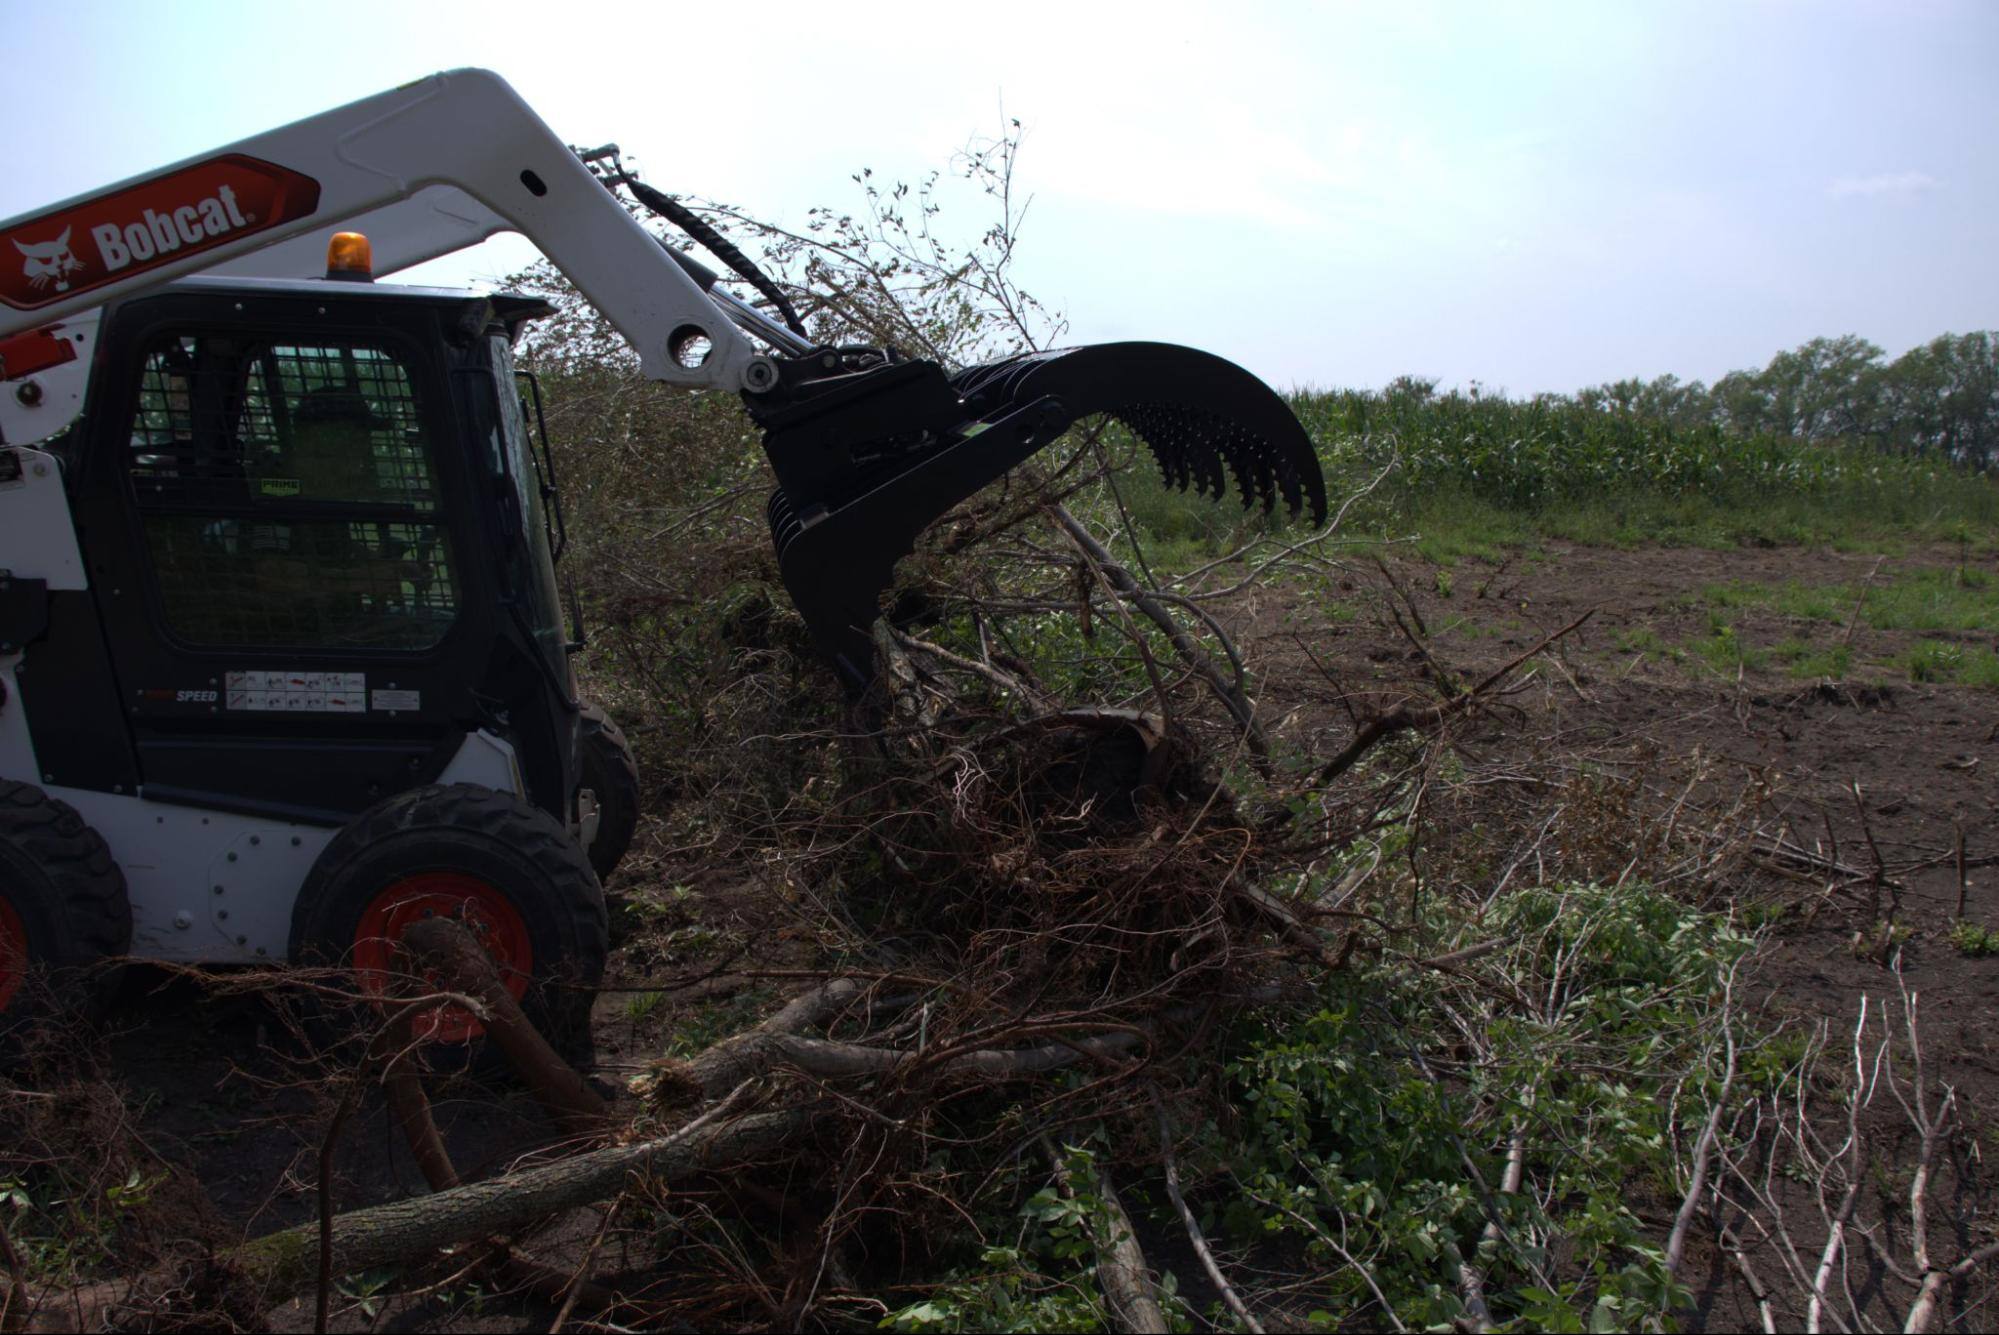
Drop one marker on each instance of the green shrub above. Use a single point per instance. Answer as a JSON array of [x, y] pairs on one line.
[[1355, 1125], [1974, 939]]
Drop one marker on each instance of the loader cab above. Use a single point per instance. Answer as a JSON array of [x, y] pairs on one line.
[[317, 519]]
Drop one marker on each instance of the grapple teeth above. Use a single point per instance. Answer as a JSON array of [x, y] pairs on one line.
[[1251, 482], [1198, 413], [1148, 425]]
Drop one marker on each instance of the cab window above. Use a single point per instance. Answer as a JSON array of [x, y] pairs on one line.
[[287, 493]]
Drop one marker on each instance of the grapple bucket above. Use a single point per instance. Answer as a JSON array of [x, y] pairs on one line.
[[866, 461]]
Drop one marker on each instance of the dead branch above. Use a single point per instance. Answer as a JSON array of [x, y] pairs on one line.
[[280, 1265], [1860, 602], [1757, 1292], [581, 1280], [446, 946], [743, 1056], [388, 1235], [1923, 1314], [1697, 1176], [349, 1094], [410, 1107], [1792, 1143], [1192, 1225], [1405, 717], [1121, 580], [1037, 698], [1286, 922], [765, 1050], [277, 1266], [1395, 584]]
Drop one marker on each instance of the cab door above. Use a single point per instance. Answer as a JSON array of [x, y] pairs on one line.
[[287, 588]]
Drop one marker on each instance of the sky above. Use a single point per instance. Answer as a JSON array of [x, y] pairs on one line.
[[1535, 197]]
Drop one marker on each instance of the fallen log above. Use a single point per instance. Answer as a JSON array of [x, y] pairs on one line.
[[279, 1266], [1123, 1274]]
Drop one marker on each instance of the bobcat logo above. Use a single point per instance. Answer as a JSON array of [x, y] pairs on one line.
[[49, 261]]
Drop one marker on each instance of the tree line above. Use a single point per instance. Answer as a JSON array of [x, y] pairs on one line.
[[1941, 398]]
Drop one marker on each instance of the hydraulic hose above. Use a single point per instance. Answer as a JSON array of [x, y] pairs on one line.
[[718, 245]]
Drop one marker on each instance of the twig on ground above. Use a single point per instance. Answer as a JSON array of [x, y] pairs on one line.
[[349, 1095], [1860, 602], [1192, 1225], [1405, 717], [1757, 1292], [581, 1279], [1697, 1177]]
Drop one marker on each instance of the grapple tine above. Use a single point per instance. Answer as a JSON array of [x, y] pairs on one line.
[[1155, 427], [1196, 411], [866, 461], [1251, 483]]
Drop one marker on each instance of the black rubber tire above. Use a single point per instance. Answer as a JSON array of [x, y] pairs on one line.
[[517, 849], [612, 776], [58, 877]]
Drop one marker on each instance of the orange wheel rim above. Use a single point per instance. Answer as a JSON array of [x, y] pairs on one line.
[[484, 910], [13, 953]]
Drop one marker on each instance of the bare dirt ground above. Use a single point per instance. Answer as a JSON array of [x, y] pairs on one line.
[[1874, 772], [1923, 758]]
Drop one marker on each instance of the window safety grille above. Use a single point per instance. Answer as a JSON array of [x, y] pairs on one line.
[[288, 495]]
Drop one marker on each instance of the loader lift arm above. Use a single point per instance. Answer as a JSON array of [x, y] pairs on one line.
[[426, 169], [868, 448]]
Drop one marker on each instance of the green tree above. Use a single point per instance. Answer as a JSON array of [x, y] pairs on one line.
[[1742, 403], [1944, 396], [1828, 389]]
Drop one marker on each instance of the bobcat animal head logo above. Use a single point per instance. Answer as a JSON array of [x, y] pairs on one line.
[[49, 262]]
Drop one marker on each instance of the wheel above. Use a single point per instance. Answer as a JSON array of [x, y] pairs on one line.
[[612, 777], [507, 870], [63, 908]]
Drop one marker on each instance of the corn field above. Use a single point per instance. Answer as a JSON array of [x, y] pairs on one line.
[[1535, 453]]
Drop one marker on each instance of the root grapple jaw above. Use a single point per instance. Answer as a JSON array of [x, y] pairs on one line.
[[866, 460]]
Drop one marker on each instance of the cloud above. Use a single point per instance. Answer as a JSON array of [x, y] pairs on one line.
[[1888, 183]]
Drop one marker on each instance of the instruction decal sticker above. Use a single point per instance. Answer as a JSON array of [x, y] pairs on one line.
[[298, 692]]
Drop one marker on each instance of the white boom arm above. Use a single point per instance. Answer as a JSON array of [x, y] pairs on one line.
[[425, 169]]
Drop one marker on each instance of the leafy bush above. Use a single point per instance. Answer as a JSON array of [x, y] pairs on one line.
[[1379, 1128]]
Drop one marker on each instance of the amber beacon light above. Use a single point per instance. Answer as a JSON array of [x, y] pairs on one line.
[[349, 257]]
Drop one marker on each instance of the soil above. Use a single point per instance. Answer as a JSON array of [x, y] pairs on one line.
[[1889, 772], [1873, 766]]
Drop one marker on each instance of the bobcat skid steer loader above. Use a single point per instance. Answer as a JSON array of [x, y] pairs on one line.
[[283, 664]]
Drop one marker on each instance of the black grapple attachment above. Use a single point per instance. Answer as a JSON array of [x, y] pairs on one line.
[[869, 454]]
